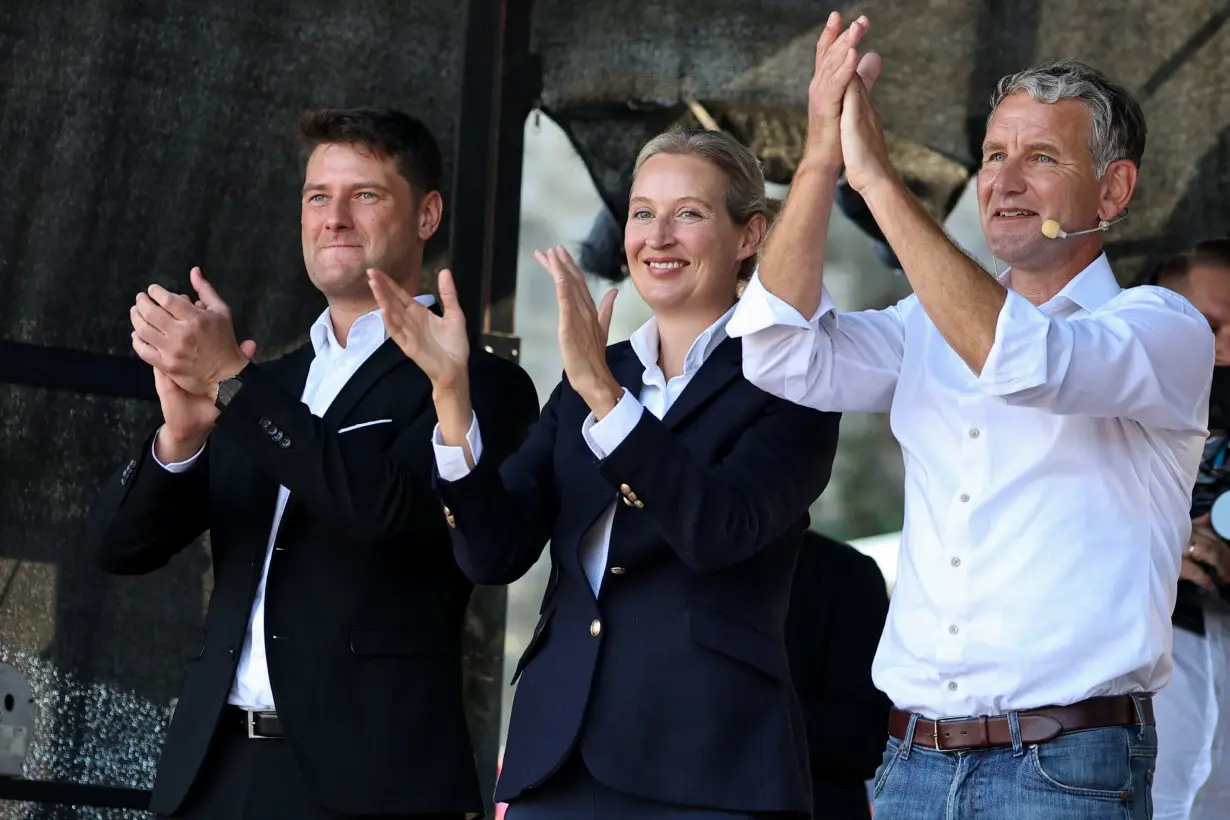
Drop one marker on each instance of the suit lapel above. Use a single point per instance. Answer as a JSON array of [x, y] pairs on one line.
[[722, 367], [386, 357]]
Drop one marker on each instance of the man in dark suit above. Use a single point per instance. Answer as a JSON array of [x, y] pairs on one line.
[[838, 606], [327, 681]]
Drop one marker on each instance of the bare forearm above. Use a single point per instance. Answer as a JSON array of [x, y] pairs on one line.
[[172, 449], [793, 262], [455, 413], [960, 297]]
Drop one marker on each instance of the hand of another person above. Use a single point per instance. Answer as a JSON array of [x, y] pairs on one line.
[[193, 344], [1205, 550], [862, 140], [837, 63], [437, 344], [583, 331]]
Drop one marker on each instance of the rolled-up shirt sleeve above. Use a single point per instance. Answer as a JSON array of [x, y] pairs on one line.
[[846, 362], [451, 461], [1146, 355]]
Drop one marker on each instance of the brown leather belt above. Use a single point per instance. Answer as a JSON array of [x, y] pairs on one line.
[[262, 725], [1037, 725]]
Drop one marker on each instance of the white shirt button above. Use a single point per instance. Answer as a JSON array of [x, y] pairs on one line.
[[956, 562], [953, 629], [952, 686], [973, 433], [964, 497]]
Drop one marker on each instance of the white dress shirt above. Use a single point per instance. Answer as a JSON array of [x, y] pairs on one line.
[[332, 367], [657, 395], [1046, 499]]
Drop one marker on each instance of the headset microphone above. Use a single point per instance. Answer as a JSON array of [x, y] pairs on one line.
[[1052, 230]]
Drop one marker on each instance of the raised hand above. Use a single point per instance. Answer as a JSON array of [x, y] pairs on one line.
[[437, 344], [192, 343], [862, 140], [583, 331], [837, 63]]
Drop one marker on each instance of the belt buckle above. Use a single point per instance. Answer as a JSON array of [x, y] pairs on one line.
[[252, 735], [935, 730]]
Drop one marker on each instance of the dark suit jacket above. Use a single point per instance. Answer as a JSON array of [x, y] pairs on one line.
[[364, 601], [674, 683], [837, 611]]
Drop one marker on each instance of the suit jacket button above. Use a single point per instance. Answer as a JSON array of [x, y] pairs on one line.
[[627, 503], [595, 627], [618, 571], [265, 423], [640, 505], [277, 436], [625, 489], [285, 443]]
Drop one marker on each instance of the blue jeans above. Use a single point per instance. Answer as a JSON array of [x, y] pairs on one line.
[[1087, 775]]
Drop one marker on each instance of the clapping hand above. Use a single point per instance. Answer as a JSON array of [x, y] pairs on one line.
[[191, 342], [437, 344], [583, 331]]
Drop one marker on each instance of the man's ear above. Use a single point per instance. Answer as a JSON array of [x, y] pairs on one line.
[[431, 211], [1118, 185]]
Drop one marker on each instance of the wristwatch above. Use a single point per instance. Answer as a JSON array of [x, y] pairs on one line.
[[227, 390]]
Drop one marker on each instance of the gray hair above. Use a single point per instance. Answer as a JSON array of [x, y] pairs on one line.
[[1117, 122], [745, 195]]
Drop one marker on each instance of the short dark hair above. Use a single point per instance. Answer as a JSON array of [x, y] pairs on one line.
[[386, 132], [1213, 253]]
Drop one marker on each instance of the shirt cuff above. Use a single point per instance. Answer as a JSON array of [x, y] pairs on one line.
[[1018, 356], [759, 309], [451, 461], [175, 466], [604, 436]]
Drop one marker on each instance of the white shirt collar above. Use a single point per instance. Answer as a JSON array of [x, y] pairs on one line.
[[645, 344], [368, 328], [1090, 289]]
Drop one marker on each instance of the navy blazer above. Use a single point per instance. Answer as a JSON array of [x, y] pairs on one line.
[[674, 684]]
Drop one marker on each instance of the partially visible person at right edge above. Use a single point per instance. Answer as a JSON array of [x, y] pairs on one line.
[[1193, 710], [1051, 424]]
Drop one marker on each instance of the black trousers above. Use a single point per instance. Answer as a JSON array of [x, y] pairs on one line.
[[572, 793], [255, 779]]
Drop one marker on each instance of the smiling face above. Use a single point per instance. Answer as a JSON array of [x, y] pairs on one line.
[[683, 248], [359, 212], [1036, 165]]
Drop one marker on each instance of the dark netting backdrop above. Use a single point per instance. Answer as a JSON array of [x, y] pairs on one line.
[[139, 138], [618, 72]]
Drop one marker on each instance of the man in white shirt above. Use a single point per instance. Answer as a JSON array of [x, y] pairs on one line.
[[1051, 425]]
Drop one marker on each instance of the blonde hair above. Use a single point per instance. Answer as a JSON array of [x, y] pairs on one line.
[[745, 194]]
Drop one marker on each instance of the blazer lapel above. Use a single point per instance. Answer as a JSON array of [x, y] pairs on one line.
[[386, 357], [722, 367]]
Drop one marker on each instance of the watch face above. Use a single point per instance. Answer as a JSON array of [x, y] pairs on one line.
[[227, 389]]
